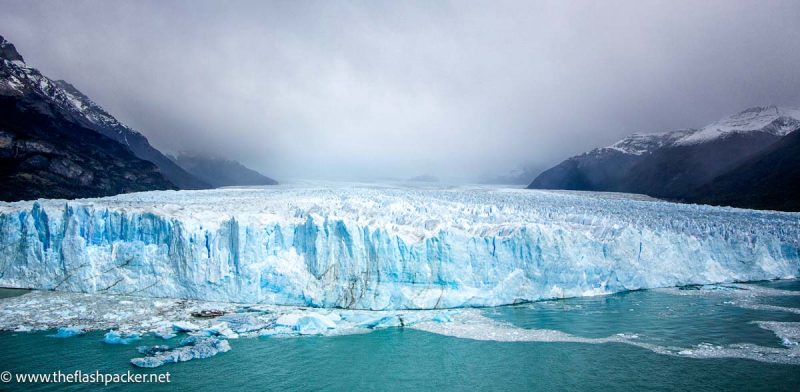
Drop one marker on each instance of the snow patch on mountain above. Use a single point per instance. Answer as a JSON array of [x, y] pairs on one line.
[[640, 143], [93, 112], [20, 79], [774, 120], [771, 119]]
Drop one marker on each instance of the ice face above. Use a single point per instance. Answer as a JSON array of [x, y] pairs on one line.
[[385, 247]]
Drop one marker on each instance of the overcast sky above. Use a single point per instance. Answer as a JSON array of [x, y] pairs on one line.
[[356, 90]]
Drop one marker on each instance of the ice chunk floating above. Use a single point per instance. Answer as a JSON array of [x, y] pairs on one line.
[[385, 247], [192, 347]]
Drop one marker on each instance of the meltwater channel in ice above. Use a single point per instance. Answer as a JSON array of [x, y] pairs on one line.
[[385, 246]]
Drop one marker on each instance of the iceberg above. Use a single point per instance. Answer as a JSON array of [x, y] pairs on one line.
[[223, 330], [192, 347], [239, 323], [116, 337], [385, 247], [67, 332], [308, 323], [313, 324]]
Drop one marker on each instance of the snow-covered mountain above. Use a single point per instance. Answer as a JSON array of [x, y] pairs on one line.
[[771, 120], [674, 164], [50, 146], [28, 85], [641, 143], [21, 80]]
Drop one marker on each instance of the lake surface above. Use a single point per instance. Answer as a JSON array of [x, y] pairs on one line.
[[409, 359]]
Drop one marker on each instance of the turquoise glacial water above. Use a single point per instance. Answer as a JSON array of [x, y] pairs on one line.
[[407, 359]]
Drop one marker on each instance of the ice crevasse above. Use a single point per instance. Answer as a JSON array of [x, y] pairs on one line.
[[385, 247]]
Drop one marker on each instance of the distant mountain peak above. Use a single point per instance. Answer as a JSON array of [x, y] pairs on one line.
[[683, 164], [51, 97], [753, 118], [771, 119], [22, 80], [52, 149], [9, 52]]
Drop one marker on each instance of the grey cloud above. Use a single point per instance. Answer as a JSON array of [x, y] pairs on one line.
[[350, 90]]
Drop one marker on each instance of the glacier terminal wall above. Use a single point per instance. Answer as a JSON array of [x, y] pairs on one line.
[[385, 247]]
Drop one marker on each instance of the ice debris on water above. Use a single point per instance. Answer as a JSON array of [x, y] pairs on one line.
[[788, 332], [128, 318], [243, 322], [471, 324], [192, 347], [746, 296]]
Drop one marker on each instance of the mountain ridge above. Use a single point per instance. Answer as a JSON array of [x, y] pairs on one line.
[[778, 121], [28, 84], [672, 165], [220, 172]]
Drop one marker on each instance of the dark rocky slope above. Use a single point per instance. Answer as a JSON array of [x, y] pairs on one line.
[[45, 155], [770, 180]]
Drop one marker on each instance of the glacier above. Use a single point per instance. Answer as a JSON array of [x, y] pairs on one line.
[[385, 247]]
